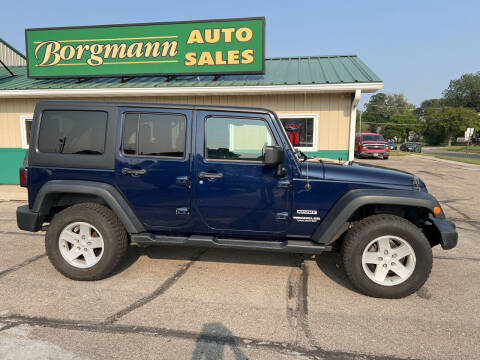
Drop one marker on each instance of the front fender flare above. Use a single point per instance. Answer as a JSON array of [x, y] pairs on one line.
[[352, 200]]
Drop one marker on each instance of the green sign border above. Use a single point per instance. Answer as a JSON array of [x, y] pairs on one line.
[[240, 72]]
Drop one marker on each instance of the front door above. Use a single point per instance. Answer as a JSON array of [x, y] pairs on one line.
[[153, 166], [235, 193]]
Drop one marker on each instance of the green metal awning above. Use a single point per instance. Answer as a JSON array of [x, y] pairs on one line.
[[310, 70]]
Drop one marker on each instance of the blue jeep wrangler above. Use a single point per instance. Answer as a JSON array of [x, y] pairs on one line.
[[101, 175]]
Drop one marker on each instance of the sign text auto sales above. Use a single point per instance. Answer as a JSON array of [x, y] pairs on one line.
[[214, 47]]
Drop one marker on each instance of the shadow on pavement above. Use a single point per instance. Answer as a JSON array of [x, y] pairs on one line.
[[211, 343], [233, 256], [331, 265]]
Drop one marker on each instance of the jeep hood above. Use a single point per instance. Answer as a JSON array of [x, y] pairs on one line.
[[360, 173]]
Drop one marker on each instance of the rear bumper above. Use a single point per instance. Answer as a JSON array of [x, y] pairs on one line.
[[28, 220], [448, 234]]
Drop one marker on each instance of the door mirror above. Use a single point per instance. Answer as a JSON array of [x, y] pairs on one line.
[[274, 156]]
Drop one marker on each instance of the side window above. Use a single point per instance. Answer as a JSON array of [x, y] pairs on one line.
[[151, 134], [130, 128], [72, 132], [236, 138]]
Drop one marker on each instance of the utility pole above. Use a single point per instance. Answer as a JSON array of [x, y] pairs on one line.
[[360, 122]]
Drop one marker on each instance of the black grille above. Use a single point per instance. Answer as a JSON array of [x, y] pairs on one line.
[[375, 146]]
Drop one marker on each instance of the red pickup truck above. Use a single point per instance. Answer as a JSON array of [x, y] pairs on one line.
[[371, 145]]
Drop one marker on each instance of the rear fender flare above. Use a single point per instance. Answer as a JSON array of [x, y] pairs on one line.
[[108, 193]]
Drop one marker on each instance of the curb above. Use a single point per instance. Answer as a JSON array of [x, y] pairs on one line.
[[452, 162]]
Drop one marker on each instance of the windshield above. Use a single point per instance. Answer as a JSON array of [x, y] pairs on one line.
[[372, 138]]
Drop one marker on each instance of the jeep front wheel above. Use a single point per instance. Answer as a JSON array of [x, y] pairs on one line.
[[387, 256], [86, 241]]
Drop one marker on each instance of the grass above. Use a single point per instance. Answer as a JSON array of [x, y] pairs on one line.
[[463, 160], [399, 153], [463, 148], [452, 158]]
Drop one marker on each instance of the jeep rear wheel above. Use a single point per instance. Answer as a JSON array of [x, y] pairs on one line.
[[386, 256], [86, 241]]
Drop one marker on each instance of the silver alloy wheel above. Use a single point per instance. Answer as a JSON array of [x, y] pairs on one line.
[[81, 245], [388, 260]]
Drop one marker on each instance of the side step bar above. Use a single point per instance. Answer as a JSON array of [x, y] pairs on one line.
[[288, 246]]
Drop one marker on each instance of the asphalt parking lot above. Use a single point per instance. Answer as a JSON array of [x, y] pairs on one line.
[[186, 303]]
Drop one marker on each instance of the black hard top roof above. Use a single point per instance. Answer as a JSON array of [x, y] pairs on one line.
[[97, 103]]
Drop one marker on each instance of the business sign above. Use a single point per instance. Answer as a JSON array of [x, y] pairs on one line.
[[180, 48]]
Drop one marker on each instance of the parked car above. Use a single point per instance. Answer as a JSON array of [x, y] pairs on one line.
[[411, 146], [392, 145], [102, 175], [371, 145]]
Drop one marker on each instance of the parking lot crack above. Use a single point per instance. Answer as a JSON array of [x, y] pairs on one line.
[[20, 233], [21, 265], [159, 291], [9, 326], [457, 258], [297, 304], [118, 329]]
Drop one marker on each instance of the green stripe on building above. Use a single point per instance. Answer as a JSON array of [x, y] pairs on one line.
[[329, 154], [11, 160]]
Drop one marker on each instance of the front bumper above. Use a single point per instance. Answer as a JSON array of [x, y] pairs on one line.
[[374, 153], [28, 220], [448, 234]]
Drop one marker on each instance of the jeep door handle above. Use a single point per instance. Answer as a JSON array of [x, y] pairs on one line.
[[208, 175], [127, 171]]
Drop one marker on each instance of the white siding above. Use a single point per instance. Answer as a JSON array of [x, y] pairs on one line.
[[333, 111], [10, 57]]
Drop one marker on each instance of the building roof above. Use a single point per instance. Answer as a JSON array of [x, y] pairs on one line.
[[10, 56], [346, 72]]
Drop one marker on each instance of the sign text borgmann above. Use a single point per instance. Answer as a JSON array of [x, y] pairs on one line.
[[201, 47]]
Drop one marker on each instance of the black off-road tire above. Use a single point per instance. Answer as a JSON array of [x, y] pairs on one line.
[[376, 226], [102, 218]]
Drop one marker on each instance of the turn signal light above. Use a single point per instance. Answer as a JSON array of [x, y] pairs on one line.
[[437, 210]]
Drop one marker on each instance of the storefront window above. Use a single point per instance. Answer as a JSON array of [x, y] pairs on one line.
[[300, 131], [25, 129]]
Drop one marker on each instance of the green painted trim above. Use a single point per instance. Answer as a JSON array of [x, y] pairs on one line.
[[330, 154], [11, 160]]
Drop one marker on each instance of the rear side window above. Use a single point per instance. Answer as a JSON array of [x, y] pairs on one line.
[[72, 132], [150, 134]]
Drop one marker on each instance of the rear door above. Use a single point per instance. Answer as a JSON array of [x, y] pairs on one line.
[[154, 163], [236, 194]]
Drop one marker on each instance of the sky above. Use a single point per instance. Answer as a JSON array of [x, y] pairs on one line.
[[416, 47]]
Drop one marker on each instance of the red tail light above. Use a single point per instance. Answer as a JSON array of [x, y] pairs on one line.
[[22, 178]]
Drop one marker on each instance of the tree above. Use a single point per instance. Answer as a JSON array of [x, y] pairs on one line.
[[447, 122], [435, 103], [464, 91], [382, 107], [400, 125], [392, 113]]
